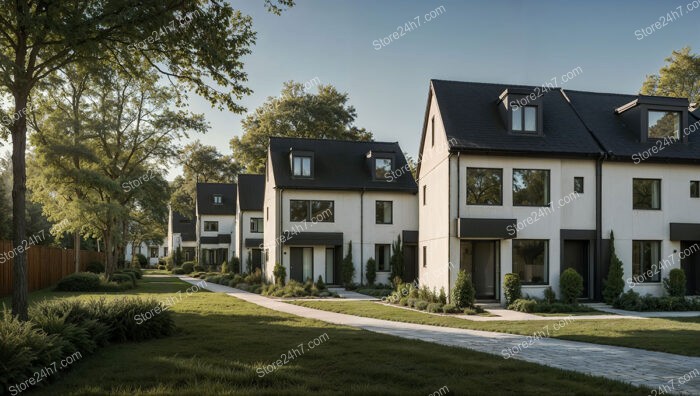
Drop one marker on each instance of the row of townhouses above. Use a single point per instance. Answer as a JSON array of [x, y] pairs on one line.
[[510, 179]]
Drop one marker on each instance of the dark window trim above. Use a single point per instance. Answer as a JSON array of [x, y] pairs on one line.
[[538, 122], [252, 221], [660, 194], [658, 264], [583, 184], [549, 189], [221, 199], [547, 263], [467, 185], [305, 154], [697, 188], [376, 257], [384, 156], [210, 222], [376, 203], [679, 137], [309, 212]]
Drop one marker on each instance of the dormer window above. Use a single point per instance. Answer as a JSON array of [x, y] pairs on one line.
[[301, 166], [664, 124], [217, 199], [383, 168], [524, 119]]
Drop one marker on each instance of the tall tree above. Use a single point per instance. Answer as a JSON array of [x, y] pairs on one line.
[[679, 78], [296, 113], [191, 42]]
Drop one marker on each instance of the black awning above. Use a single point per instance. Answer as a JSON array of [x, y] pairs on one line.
[[253, 242], [290, 238], [578, 235], [685, 232], [410, 237], [487, 228]]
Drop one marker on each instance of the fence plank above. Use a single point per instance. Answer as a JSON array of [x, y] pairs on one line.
[[45, 265]]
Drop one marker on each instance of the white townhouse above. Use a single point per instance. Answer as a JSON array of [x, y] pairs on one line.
[[531, 181], [181, 233], [323, 195], [250, 222], [216, 223], [152, 251]]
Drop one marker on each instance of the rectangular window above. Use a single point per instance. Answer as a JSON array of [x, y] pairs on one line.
[[154, 252], [323, 211], [646, 194], [578, 185], [484, 186], [165, 251], [425, 256], [298, 210], [531, 261], [530, 187], [646, 256], [384, 212], [301, 166], [432, 131], [517, 118], [383, 256], [382, 168], [694, 189], [218, 200], [212, 226], [256, 224], [524, 119], [664, 124], [425, 188]]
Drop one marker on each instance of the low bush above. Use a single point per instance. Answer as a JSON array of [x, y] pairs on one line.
[[225, 267], [136, 271], [375, 292], [403, 301], [280, 274], [549, 295], [120, 278], [434, 307], [178, 271], [463, 294], [675, 283], [475, 310], [320, 284], [632, 301], [79, 282], [162, 267], [292, 289], [411, 302], [523, 305], [131, 275], [188, 267], [450, 308], [531, 305], [570, 286], [512, 288], [141, 260], [421, 305], [95, 267], [254, 278], [199, 268]]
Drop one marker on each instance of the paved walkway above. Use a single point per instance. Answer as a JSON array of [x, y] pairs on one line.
[[676, 314], [635, 366]]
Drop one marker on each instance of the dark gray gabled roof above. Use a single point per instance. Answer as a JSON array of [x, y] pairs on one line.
[[622, 141], [251, 192], [184, 226], [339, 165], [205, 198], [471, 117]]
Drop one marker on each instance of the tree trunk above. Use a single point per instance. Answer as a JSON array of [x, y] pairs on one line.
[[76, 248], [20, 286]]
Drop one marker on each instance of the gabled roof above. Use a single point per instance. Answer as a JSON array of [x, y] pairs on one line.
[[339, 165], [184, 226], [205, 199], [471, 117], [251, 192], [620, 140]]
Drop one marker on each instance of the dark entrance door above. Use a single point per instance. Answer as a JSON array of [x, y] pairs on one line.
[[256, 259], [301, 263], [330, 266], [481, 259], [576, 256], [410, 263], [691, 266]]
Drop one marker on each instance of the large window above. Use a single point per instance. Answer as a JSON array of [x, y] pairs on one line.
[[317, 211], [383, 255], [664, 124], [484, 186], [525, 119], [384, 212], [256, 224], [646, 193], [530, 187], [645, 261], [531, 260], [301, 166], [383, 168], [212, 226]]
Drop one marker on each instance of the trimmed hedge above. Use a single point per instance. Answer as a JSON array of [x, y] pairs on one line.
[[188, 267], [95, 267], [80, 281], [632, 301]]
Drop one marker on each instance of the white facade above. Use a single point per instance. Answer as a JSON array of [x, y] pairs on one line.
[[152, 252]]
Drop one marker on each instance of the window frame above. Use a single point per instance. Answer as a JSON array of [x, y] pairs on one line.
[[546, 258], [210, 222], [301, 156], [387, 256], [521, 116], [310, 213], [583, 183], [257, 225], [500, 203], [634, 205], [695, 193], [220, 199], [642, 278], [387, 175], [679, 114], [376, 212], [548, 197]]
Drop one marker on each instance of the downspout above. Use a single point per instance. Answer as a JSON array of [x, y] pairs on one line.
[[598, 221], [281, 250], [362, 235], [449, 222]]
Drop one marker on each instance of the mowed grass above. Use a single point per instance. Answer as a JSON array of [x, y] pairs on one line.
[[673, 335], [222, 341]]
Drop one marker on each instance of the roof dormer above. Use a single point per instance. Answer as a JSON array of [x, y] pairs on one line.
[[656, 117], [521, 110], [301, 164], [382, 165]]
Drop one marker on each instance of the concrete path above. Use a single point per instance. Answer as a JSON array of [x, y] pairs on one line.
[[351, 295], [607, 308], [634, 366]]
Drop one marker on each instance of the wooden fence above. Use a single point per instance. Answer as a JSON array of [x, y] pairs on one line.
[[47, 265]]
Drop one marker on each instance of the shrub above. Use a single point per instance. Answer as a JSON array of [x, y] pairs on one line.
[[347, 267], [523, 305], [512, 288], [371, 273], [225, 267], [463, 293], [169, 263], [450, 308], [188, 267], [280, 274], [675, 283], [614, 284], [236, 265], [255, 278], [403, 301], [81, 281], [434, 307], [411, 302], [421, 305], [199, 268], [162, 267], [549, 295], [123, 278], [95, 267], [136, 271], [131, 275], [177, 257], [178, 271], [570, 286], [320, 285], [142, 260], [396, 260], [442, 298]]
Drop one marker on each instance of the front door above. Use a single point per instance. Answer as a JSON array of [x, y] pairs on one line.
[[410, 263], [480, 259], [691, 266], [301, 263], [576, 257], [256, 259], [330, 266]]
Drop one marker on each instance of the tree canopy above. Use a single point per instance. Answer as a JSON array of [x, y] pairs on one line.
[[296, 113], [679, 78]]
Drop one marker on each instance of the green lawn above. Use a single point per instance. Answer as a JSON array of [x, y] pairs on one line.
[[221, 342], [675, 335]]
